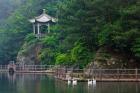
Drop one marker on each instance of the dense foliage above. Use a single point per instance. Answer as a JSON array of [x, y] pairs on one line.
[[16, 27], [84, 26]]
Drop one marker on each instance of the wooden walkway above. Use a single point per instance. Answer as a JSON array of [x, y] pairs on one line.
[[79, 74], [3, 68], [126, 75], [29, 68]]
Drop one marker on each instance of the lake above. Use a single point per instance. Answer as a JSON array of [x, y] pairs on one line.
[[41, 83]]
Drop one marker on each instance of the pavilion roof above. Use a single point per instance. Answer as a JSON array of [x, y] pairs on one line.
[[43, 18]]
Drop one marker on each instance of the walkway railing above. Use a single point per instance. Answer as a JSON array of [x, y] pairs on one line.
[[3, 68], [118, 74], [100, 74], [65, 73], [28, 68]]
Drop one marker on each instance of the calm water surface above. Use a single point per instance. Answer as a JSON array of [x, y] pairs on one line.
[[35, 83]]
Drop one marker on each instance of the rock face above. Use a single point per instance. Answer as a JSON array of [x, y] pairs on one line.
[[108, 59], [28, 55]]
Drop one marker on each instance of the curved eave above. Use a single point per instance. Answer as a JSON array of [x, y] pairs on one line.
[[32, 20], [54, 20]]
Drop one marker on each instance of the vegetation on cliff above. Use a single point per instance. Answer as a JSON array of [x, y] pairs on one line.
[[84, 27]]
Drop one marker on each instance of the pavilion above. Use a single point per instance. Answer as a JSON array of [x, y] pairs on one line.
[[43, 19]]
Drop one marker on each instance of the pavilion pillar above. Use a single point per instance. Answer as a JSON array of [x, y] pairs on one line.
[[38, 28], [48, 28], [34, 30]]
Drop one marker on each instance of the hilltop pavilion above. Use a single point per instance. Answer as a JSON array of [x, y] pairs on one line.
[[43, 19]]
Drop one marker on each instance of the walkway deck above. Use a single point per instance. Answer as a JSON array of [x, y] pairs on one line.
[[104, 75], [80, 74], [29, 68]]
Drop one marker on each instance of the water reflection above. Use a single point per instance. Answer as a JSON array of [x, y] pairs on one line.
[[11, 77], [38, 83]]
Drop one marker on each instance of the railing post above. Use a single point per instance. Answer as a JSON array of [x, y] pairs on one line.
[[118, 73], [41, 68], [136, 74], [101, 74], [0, 67], [35, 67]]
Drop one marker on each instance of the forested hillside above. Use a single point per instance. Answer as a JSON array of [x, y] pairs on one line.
[[84, 28], [7, 7], [16, 26]]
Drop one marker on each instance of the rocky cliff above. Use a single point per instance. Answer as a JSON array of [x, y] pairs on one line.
[[28, 55], [107, 58]]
